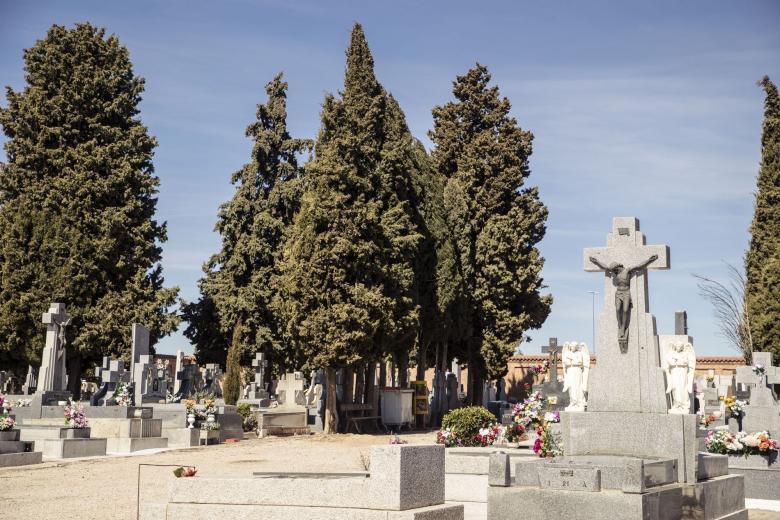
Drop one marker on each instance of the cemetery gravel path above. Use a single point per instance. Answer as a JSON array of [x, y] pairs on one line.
[[105, 488]]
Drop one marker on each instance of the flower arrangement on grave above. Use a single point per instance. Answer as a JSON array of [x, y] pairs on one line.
[[514, 432], [759, 370], [710, 378], [735, 407], [211, 406], [74, 415], [548, 442], [706, 420], [22, 403], [122, 394], [469, 426], [6, 421], [189, 405], [181, 471], [540, 368], [740, 443], [169, 397], [530, 413]]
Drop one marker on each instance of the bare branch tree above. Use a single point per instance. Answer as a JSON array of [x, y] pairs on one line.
[[728, 302]]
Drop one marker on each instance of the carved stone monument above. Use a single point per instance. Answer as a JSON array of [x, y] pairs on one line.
[[576, 367], [52, 381], [763, 410], [680, 366], [259, 391], [636, 369], [626, 457]]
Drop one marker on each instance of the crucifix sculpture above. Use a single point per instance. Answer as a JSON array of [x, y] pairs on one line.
[[621, 279], [553, 350]]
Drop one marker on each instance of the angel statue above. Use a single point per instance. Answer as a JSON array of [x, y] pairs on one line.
[[679, 365], [576, 364]]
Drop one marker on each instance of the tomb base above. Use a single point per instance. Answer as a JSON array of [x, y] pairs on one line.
[[181, 437], [71, 448], [761, 418], [133, 444], [20, 459], [241, 512], [761, 473]]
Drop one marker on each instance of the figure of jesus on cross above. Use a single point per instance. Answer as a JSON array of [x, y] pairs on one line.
[[621, 277]]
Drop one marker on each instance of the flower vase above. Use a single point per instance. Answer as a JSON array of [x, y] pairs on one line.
[[190, 419], [210, 418]]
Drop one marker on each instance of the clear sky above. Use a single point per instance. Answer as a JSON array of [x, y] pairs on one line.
[[646, 109]]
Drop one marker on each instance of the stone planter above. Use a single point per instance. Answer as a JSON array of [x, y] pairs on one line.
[[75, 433], [768, 461], [10, 435]]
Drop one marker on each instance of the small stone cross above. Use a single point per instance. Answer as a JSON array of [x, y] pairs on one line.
[[553, 349], [259, 363]]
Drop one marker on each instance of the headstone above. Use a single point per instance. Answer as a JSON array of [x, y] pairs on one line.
[[680, 323], [259, 364], [762, 410], [184, 377], [290, 390], [146, 382], [625, 322], [553, 349], [140, 347], [452, 393], [213, 378], [52, 381], [179, 368], [30, 382], [111, 373]]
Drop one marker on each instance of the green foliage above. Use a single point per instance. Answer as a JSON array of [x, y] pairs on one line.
[[244, 410], [466, 422], [253, 225], [231, 389], [762, 261], [346, 289], [77, 203], [495, 222]]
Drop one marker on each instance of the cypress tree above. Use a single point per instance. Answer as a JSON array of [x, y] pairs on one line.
[[762, 261], [232, 385], [77, 203], [495, 221], [347, 278], [253, 224]]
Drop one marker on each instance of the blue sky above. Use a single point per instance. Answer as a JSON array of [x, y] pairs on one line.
[[646, 109]]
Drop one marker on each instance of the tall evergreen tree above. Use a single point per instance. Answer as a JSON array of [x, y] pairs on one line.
[[253, 224], [77, 203], [495, 221], [347, 278], [762, 262]]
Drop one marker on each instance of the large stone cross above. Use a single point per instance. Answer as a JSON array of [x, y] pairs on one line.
[[52, 373], [553, 349], [628, 376]]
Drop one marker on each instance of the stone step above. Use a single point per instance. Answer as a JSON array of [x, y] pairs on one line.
[[241, 511], [71, 448], [20, 459], [133, 444], [181, 437], [12, 446]]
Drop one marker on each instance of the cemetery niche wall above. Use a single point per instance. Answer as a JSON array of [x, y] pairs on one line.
[[626, 454]]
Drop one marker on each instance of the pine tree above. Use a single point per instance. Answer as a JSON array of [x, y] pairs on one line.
[[762, 261], [232, 384], [77, 203], [495, 222], [253, 224], [347, 278]]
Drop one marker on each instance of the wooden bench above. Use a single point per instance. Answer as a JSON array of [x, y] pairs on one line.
[[357, 420]]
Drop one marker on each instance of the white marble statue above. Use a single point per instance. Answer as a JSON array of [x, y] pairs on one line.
[[680, 364], [576, 364]]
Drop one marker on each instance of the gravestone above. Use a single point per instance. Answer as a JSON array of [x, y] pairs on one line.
[[680, 323], [179, 367], [184, 377], [635, 368], [553, 389], [140, 345], [290, 390], [111, 373], [626, 455], [666, 343], [763, 410], [146, 381], [213, 377], [30, 382], [259, 391], [52, 381]]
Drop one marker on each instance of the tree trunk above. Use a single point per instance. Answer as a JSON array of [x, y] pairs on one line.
[[382, 374], [422, 362], [403, 370], [371, 385], [349, 386], [74, 376], [360, 383], [331, 407]]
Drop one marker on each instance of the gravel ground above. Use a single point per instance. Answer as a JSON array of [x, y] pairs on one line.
[[105, 488]]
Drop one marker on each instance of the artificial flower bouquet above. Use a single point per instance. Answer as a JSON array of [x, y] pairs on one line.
[[740, 443], [734, 406], [6, 421], [74, 415], [122, 394]]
